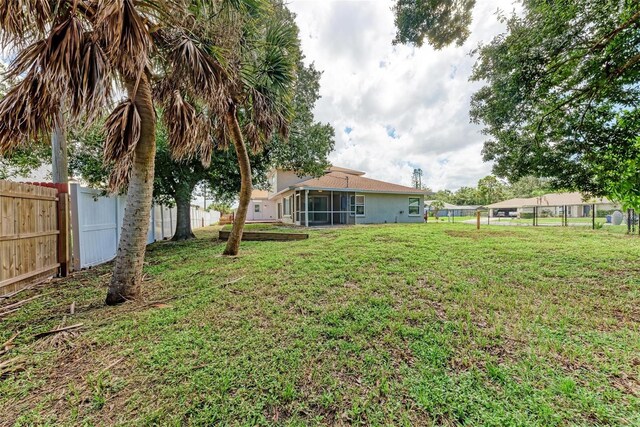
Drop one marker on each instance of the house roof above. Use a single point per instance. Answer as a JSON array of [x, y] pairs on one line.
[[511, 203], [337, 180], [551, 199]]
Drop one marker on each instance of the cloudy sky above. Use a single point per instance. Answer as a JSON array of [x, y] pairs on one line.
[[395, 108]]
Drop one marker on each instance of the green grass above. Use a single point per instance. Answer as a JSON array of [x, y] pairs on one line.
[[436, 324]]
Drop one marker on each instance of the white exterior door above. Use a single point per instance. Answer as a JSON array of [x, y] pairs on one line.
[[257, 211]]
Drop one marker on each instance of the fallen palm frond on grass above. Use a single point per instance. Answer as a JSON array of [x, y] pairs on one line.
[[60, 337], [18, 304]]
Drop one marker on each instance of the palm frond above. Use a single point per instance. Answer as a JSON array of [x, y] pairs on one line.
[[27, 59], [26, 111], [74, 65], [195, 68], [205, 146], [122, 135], [57, 56], [90, 87], [63, 49], [249, 8], [189, 131], [120, 173], [126, 35], [268, 76], [20, 19]]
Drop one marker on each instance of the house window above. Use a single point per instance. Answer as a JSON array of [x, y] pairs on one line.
[[286, 205], [414, 206], [256, 208], [357, 205]]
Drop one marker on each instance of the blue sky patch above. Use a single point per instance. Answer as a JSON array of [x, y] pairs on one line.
[[391, 131], [348, 130]]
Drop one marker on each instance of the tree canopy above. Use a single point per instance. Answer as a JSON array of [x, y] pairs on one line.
[[491, 189], [438, 22], [561, 95], [561, 88]]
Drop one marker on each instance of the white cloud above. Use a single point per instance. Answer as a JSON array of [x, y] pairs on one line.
[[373, 87]]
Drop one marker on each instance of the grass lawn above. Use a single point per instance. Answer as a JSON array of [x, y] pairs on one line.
[[435, 324]]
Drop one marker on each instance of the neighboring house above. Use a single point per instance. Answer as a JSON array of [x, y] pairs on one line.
[[552, 204], [342, 196], [452, 210], [260, 207]]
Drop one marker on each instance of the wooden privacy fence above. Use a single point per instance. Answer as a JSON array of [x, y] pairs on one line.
[[33, 234], [226, 219]]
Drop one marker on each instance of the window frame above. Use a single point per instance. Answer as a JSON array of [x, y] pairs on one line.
[[257, 208], [353, 205], [409, 207]]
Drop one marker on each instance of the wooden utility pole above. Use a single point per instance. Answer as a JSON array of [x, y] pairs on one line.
[[60, 161], [60, 175]]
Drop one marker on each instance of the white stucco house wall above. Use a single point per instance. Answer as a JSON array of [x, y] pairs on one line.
[[261, 208]]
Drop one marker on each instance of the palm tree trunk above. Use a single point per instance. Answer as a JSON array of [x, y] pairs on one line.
[[127, 272], [233, 244], [183, 219]]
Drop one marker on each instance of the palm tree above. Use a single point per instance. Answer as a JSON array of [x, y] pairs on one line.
[[71, 52], [252, 98], [262, 100], [210, 75]]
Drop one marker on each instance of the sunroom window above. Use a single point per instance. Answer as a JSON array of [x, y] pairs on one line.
[[357, 205]]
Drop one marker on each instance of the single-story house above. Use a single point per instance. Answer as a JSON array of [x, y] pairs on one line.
[[452, 210], [260, 207], [342, 196], [552, 204]]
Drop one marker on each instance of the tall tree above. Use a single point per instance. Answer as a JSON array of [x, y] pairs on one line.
[[71, 53], [176, 181], [528, 186], [262, 94], [491, 190], [561, 94], [466, 196]]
